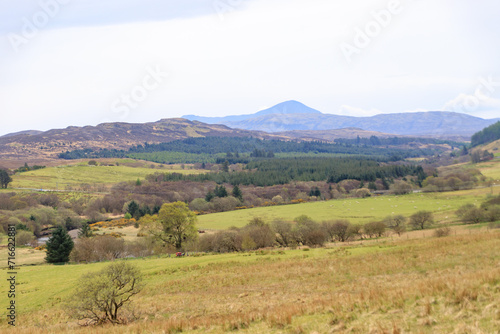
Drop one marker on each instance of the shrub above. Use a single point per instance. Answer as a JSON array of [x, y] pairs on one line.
[[397, 223], [401, 188], [493, 213], [260, 232], [226, 241], [308, 232], [376, 229], [471, 214], [199, 204], [421, 219], [442, 232], [337, 230], [100, 295], [101, 248], [284, 233], [24, 237]]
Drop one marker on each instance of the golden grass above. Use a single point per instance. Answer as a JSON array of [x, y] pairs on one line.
[[436, 285]]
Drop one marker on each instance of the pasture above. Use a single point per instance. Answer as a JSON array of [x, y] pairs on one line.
[[73, 175], [435, 285], [491, 169], [356, 210]]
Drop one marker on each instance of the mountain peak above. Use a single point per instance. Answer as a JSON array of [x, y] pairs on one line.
[[288, 107]]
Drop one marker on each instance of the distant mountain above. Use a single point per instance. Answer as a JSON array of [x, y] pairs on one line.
[[284, 108], [46, 145], [292, 115]]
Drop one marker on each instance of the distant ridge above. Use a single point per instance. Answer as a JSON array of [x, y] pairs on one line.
[[293, 115], [46, 145], [26, 132], [284, 108]]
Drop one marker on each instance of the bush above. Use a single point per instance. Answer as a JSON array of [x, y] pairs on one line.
[[221, 204], [199, 204], [284, 233], [376, 229], [260, 232], [227, 241], [308, 232], [421, 219], [221, 242], [24, 238], [397, 223], [492, 213], [100, 248], [337, 230], [401, 188], [442, 232], [100, 295], [471, 214]]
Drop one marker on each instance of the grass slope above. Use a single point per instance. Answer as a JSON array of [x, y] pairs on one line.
[[74, 175], [418, 286], [359, 211]]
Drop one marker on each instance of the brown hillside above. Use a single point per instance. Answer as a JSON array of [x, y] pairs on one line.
[[45, 146]]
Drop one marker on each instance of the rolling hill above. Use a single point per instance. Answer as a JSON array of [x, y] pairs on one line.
[[293, 115], [24, 147]]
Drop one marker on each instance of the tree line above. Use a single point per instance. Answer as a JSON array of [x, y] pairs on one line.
[[282, 171], [251, 147], [394, 141], [487, 135]]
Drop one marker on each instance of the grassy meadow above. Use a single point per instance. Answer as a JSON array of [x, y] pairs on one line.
[[60, 177], [434, 285], [357, 210], [416, 283], [491, 169]]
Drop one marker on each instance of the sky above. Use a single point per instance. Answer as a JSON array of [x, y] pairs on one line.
[[85, 62]]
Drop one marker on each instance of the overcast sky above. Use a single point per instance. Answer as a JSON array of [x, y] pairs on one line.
[[85, 62]]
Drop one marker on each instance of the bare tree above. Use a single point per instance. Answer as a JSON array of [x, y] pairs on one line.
[[421, 219], [100, 295]]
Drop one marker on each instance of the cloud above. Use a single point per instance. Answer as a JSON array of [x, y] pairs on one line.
[[477, 104], [262, 53]]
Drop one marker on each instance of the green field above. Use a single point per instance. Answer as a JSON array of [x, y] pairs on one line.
[[74, 175], [491, 169], [414, 286], [359, 211]]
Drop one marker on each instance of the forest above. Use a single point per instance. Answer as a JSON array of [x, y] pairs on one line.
[[241, 148], [487, 135], [270, 172]]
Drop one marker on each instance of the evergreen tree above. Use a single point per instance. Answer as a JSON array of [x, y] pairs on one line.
[[85, 231], [5, 178], [59, 246], [133, 209], [209, 196], [237, 193], [220, 191], [225, 166]]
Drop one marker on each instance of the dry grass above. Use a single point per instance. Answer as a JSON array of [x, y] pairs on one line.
[[437, 285]]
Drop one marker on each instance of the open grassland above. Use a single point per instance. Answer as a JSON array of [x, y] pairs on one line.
[[493, 147], [438, 285], [491, 169], [359, 211], [74, 175]]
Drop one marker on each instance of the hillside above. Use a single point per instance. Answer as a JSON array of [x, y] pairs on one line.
[[292, 115], [431, 285], [331, 135], [46, 145], [486, 135]]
